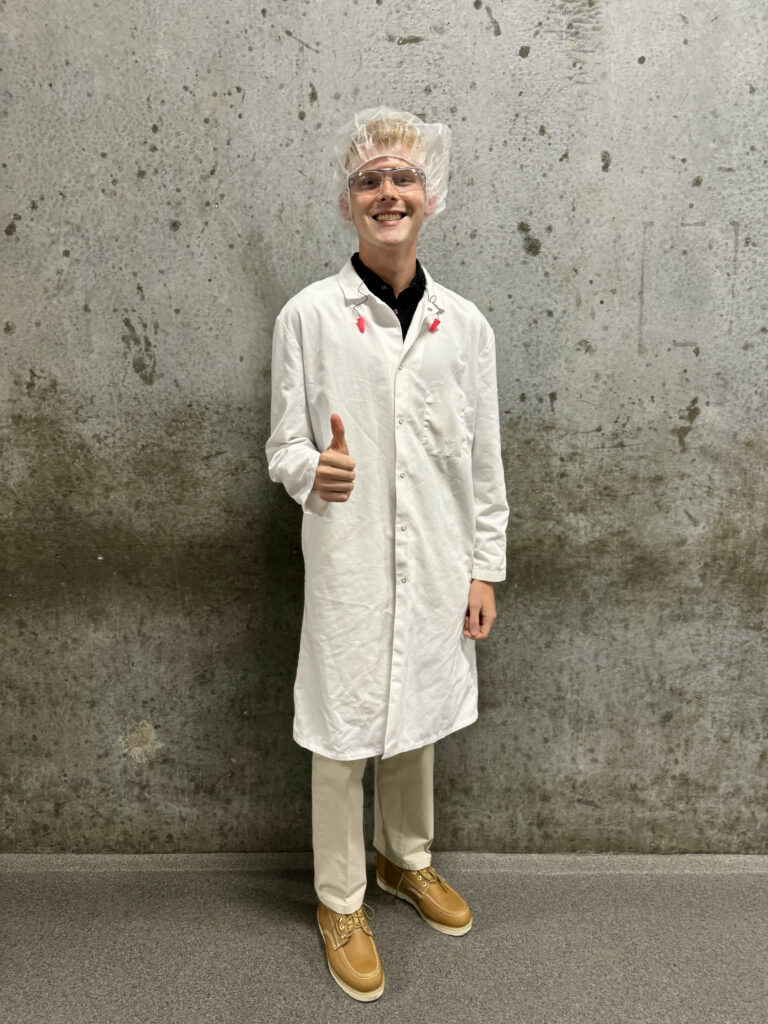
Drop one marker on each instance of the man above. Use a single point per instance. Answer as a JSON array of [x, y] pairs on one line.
[[385, 429]]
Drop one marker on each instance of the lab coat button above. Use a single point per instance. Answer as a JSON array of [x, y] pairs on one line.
[[402, 475], [399, 421], [402, 527], [402, 579]]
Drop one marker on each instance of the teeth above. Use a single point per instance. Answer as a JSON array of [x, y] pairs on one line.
[[389, 216]]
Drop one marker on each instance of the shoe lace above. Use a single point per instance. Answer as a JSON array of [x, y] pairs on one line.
[[430, 876], [347, 924]]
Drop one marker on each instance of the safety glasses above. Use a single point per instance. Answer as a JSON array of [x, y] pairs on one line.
[[404, 179]]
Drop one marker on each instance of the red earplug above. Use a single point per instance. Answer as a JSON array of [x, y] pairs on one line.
[[434, 325], [361, 325]]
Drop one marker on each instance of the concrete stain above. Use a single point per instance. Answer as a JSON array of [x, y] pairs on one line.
[[530, 244], [143, 357], [605, 160], [493, 21], [141, 743], [690, 414]]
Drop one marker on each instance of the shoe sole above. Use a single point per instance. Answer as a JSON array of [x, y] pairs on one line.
[[362, 997], [444, 928]]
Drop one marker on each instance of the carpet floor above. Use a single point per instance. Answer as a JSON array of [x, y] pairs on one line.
[[232, 938]]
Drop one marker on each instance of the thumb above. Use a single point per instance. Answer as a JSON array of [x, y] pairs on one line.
[[339, 442]]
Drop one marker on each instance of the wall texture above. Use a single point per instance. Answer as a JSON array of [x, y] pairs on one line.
[[165, 188]]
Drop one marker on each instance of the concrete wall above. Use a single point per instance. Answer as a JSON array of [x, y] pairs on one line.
[[164, 190]]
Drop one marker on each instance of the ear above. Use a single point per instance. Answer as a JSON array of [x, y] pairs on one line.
[[430, 207], [344, 206]]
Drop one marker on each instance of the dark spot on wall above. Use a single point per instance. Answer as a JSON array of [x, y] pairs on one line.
[[605, 160], [691, 411], [141, 173], [406, 40], [552, 399], [531, 245], [542, 130], [11, 229], [65, 252], [478, 4], [586, 346], [302, 115], [143, 358], [155, 128], [175, 225], [689, 414], [523, 396], [9, 327], [564, 157], [697, 181], [312, 93], [496, 26], [524, 51], [641, 60]]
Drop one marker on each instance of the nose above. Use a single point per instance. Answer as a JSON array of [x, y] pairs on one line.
[[387, 188]]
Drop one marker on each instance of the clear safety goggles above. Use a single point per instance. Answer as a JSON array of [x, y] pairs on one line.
[[404, 179]]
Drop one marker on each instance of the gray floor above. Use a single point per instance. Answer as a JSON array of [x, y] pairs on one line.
[[225, 939]]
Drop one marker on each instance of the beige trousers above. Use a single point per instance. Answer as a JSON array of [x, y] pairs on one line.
[[403, 820]]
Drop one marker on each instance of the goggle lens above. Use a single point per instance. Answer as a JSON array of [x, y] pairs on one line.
[[404, 179]]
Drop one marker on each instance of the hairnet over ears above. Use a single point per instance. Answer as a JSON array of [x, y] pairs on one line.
[[381, 131]]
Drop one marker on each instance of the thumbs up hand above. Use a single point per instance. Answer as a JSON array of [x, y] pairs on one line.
[[335, 470]]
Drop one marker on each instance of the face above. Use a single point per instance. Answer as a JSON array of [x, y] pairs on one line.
[[387, 219]]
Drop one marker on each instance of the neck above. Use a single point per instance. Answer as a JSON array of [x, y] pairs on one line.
[[393, 266]]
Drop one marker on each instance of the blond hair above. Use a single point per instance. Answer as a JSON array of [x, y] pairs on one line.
[[383, 134]]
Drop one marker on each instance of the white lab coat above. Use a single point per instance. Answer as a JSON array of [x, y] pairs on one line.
[[383, 666]]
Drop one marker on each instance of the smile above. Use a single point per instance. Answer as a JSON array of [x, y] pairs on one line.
[[388, 216]]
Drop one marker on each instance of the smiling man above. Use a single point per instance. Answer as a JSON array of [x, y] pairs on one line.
[[385, 429]]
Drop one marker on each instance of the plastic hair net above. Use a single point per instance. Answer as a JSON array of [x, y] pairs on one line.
[[381, 131]]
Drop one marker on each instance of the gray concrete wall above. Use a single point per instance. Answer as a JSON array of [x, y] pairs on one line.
[[164, 191]]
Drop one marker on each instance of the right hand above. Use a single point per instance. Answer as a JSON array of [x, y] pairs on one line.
[[335, 470]]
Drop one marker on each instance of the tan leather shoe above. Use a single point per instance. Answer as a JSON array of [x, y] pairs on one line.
[[438, 903], [352, 956]]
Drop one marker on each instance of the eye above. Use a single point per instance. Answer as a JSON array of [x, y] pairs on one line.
[[404, 179], [366, 182]]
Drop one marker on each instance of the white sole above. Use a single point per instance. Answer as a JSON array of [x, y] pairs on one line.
[[362, 997], [444, 928]]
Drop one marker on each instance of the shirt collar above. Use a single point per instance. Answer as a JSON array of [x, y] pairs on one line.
[[377, 286], [354, 289]]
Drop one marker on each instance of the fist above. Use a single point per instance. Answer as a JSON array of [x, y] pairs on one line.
[[335, 474]]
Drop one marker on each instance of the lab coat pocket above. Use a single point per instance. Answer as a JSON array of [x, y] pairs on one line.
[[444, 430]]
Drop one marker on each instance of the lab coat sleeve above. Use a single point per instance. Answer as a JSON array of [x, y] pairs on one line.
[[292, 454], [491, 508]]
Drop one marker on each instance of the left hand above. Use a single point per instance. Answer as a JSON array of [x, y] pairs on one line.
[[481, 610]]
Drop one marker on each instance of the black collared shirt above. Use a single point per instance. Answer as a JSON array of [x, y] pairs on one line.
[[404, 305]]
